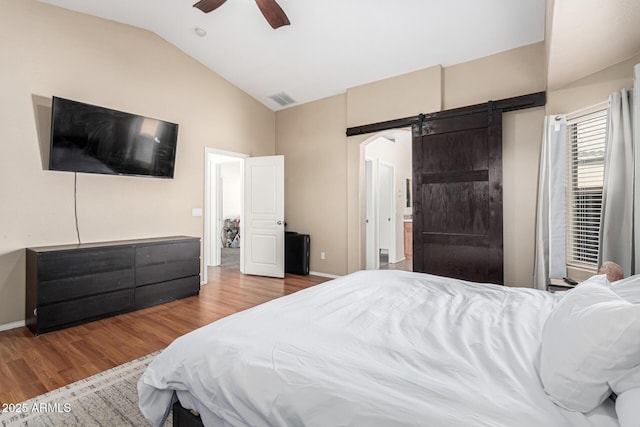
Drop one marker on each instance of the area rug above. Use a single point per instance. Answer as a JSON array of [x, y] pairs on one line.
[[109, 398]]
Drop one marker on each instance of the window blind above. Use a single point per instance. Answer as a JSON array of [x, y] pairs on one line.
[[586, 136]]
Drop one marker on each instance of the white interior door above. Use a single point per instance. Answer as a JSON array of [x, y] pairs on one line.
[[386, 209], [371, 248], [263, 219]]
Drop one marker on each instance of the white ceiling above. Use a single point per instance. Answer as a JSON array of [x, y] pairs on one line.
[[331, 45]]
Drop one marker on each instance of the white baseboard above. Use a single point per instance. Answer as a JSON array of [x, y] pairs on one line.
[[329, 276], [12, 325]]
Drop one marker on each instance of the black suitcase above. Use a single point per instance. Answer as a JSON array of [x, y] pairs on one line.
[[296, 253]]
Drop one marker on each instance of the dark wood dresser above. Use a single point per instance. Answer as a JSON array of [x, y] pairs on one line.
[[72, 284]]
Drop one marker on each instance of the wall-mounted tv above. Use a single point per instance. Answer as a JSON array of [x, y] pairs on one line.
[[88, 138]]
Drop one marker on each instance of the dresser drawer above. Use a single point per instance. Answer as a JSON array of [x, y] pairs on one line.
[[168, 252], [159, 293], [80, 286], [53, 316], [169, 271], [71, 263]]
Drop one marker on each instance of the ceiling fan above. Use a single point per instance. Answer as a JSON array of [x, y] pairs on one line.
[[272, 12]]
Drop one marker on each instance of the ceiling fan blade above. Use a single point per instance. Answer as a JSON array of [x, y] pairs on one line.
[[273, 13], [208, 5]]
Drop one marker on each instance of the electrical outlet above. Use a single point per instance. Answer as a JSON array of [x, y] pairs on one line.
[[323, 255]]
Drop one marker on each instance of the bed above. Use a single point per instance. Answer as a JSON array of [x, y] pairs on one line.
[[378, 348]]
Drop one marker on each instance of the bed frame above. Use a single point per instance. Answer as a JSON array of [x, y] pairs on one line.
[[184, 417]]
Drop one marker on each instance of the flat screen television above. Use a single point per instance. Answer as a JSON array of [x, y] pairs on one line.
[[92, 139]]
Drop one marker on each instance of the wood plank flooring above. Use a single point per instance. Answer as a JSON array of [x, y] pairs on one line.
[[30, 366]]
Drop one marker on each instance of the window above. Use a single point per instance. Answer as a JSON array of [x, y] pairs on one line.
[[586, 137]]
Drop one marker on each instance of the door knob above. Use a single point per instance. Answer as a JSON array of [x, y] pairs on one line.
[[279, 222]]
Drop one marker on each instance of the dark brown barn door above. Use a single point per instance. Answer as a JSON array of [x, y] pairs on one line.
[[457, 174]]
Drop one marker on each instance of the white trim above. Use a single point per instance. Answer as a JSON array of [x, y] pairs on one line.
[[392, 203], [362, 195], [12, 325], [226, 153], [327, 275], [587, 110], [372, 258]]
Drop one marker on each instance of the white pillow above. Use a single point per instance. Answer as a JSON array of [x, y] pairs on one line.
[[590, 345], [628, 288], [628, 408]]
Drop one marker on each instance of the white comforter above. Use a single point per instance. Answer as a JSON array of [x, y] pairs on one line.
[[379, 348]]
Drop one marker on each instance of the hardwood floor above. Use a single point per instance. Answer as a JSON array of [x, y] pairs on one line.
[[30, 365]]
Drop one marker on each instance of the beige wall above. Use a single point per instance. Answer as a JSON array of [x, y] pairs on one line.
[[394, 98], [312, 139], [592, 89], [521, 141], [515, 72], [49, 51]]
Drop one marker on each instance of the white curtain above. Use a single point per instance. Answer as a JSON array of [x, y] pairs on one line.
[[620, 209], [550, 254]]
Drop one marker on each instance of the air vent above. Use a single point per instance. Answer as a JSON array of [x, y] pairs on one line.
[[282, 99]]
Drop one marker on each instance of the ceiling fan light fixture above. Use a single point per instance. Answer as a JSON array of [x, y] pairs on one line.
[[209, 5], [273, 13], [270, 9], [200, 32]]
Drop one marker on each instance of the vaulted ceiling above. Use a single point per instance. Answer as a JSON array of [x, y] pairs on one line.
[[332, 45]]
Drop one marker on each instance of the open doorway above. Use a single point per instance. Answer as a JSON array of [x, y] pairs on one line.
[[244, 213], [388, 219], [223, 213]]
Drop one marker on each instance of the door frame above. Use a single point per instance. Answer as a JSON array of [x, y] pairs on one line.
[[212, 181], [372, 260], [370, 242]]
